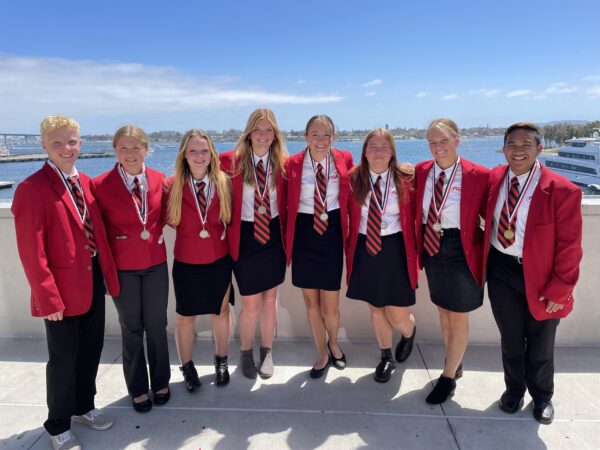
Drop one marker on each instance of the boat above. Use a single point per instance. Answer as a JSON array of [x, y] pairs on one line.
[[6, 184], [3, 150], [578, 160]]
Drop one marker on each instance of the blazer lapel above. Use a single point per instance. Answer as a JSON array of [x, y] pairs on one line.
[[64, 194], [540, 197]]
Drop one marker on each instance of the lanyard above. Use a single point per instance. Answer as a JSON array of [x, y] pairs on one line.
[[446, 192], [528, 181], [384, 198], [68, 187], [322, 198], [143, 215], [208, 198], [267, 173]]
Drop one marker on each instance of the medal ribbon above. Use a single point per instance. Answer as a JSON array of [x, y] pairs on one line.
[[322, 196], [267, 171], [208, 199], [446, 193], [143, 214], [512, 214], [384, 201]]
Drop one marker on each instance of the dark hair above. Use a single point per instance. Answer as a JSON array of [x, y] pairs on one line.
[[321, 118], [527, 126]]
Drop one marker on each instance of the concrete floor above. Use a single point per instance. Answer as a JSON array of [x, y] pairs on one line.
[[345, 410]]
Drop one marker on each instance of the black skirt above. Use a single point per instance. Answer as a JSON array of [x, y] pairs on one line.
[[451, 284], [317, 260], [381, 280], [259, 267], [200, 288]]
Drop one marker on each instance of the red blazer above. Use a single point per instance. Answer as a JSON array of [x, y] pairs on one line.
[[343, 164], [190, 248], [552, 247], [122, 222], [237, 179], [473, 200], [52, 245], [407, 221]]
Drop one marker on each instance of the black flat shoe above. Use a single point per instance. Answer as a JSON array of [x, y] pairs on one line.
[[510, 403], [142, 407], [543, 412], [443, 390], [221, 371], [190, 376], [318, 373], [161, 399], [459, 372], [405, 346], [338, 363], [383, 371]]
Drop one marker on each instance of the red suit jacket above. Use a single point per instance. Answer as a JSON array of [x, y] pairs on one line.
[[237, 179], [190, 248], [123, 225], [407, 221], [53, 246], [473, 200], [343, 164], [552, 246]]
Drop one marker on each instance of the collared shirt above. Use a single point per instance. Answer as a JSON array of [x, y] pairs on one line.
[[451, 213], [391, 214], [209, 189], [515, 249], [129, 179], [248, 192], [307, 190], [74, 172]]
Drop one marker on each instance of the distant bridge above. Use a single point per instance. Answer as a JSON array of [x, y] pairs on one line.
[[23, 135]]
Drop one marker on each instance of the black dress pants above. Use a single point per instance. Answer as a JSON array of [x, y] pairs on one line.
[[142, 308], [74, 348], [527, 343]]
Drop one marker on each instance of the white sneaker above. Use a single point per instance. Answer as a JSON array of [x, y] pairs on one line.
[[95, 419], [65, 441]]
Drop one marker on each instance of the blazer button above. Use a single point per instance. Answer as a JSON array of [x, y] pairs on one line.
[[89, 267]]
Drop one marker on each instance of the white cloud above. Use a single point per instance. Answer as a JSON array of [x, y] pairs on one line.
[[301, 81], [373, 83], [35, 85], [369, 94], [591, 78], [489, 93], [519, 93], [449, 97], [593, 92], [422, 94], [561, 88]]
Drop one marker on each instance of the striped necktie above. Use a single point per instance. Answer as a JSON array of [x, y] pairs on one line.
[[320, 204], [261, 221], [503, 224], [85, 215], [374, 221], [137, 195], [201, 197], [431, 238]]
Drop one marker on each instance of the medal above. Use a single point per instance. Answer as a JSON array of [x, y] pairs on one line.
[[509, 234], [261, 195], [324, 216], [262, 209], [145, 235], [445, 194], [143, 214], [437, 227], [383, 225], [204, 234]]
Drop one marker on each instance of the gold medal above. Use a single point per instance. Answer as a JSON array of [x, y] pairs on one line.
[[145, 235], [437, 227], [509, 234], [204, 234], [324, 216]]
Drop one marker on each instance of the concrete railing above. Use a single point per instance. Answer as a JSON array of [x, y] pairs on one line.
[[582, 327]]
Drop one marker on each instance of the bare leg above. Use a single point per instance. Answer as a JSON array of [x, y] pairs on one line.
[[185, 335], [221, 326], [444, 325], [247, 319], [401, 319], [458, 338], [268, 317], [317, 325], [381, 327], [330, 311]]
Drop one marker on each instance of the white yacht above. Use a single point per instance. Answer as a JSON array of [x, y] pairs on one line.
[[578, 160]]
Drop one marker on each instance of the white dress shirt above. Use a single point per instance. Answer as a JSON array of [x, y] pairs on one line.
[[248, 192], [391, 214], [307, 190], [209, 189], [450, 215]]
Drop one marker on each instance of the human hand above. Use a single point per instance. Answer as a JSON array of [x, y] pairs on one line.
[[55, 317], [551, 307]]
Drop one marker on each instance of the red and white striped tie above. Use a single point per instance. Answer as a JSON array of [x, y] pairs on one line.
[[201, 197], [374, 221], [320, 204], [431, 238], [261, 221], [85, 215], [137, 195], [503, 224]]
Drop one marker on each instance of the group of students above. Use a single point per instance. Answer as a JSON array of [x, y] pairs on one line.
[[255, 210]]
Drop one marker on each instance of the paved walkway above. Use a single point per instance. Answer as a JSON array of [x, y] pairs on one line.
[[345, 410]]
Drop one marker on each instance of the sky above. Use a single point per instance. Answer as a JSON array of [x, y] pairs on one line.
[[181, 64]]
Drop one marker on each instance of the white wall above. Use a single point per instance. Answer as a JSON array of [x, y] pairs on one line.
[[581, 327]]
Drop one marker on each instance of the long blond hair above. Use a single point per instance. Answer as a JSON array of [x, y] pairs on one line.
[[402, 173], [183, 172], [243, 149]]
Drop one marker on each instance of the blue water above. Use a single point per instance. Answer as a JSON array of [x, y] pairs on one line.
[[481, 151]]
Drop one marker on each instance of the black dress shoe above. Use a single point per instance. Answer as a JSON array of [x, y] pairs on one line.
[[221, 371], [383, 371], [318, 373], [190, 376], [405, 346], [459, 372], [444, 389], [511, 403], [142, 407], [543, 412], [338, 363], [161, 399]]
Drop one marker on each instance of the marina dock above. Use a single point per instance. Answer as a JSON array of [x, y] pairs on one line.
[[43, 156]]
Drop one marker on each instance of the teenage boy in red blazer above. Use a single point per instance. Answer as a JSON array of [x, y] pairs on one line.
[[533, 235], [66, 257]]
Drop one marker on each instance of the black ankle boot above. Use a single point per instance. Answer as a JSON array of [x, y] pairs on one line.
[[383, 371], [221, 371], [444, 389], [190, 376]]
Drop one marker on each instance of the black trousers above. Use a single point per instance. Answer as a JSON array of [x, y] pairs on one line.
[[527, 344], [74, 348], [142, 308]]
